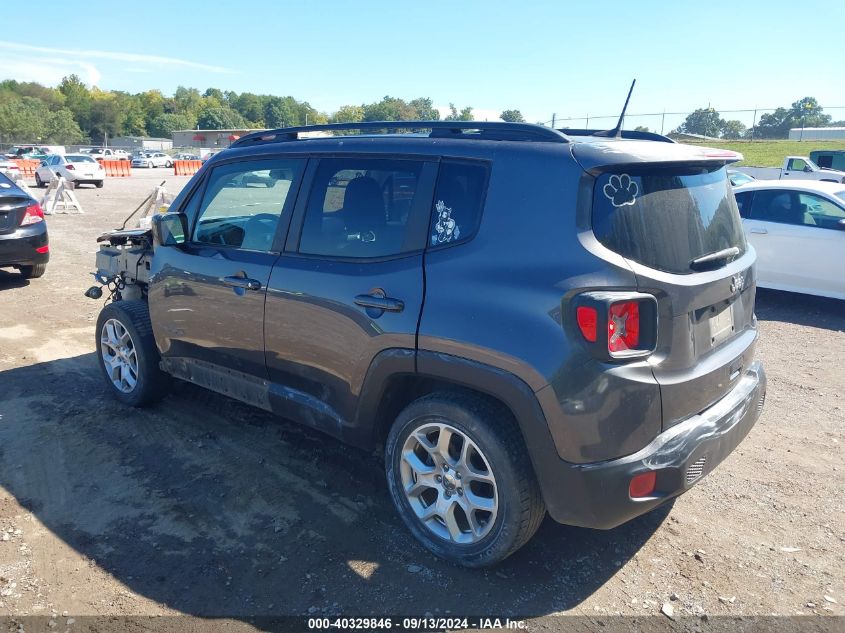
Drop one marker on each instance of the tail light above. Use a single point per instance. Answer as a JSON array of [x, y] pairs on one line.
[[33, 215], [70, 167], [617, 325], [623, 326]]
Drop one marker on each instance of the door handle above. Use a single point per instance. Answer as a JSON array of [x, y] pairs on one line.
[[377, 301], [242, 282], [759, 231]]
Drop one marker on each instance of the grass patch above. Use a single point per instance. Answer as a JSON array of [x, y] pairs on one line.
[[772, 153]]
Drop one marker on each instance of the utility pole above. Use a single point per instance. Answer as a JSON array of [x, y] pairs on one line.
[[553, 120], [754, 123], [587, 124], [662, 120]]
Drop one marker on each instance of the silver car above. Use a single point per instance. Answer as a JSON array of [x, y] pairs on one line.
[[153, 159]]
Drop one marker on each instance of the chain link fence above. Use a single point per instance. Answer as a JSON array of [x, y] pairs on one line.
[[667, 122]]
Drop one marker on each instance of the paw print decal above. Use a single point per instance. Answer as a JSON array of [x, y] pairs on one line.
[[446, 229], [621, 190]]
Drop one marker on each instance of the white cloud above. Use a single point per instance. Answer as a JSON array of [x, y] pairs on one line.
[[48, 71], [154, 60]]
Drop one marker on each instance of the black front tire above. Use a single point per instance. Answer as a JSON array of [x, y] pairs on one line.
[[151, 383], [492, 428], [39, 183], [33, 272], [98, 184]]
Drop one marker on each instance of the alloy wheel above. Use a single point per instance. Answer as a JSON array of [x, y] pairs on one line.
[[120, 358], [448, 483]]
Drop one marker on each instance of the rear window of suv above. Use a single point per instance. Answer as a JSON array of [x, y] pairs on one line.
[[664, 218]]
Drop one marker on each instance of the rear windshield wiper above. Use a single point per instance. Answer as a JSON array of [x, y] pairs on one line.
[[726, 255]]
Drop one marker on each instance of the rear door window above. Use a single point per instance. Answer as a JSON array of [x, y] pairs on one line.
[[458, 201], [782, 206], [365, 208], [665, 218], [743, 203]]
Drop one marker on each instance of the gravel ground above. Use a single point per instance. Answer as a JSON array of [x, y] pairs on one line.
[[204, 506]]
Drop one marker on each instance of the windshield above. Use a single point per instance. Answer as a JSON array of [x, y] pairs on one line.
[[665, 218], [840, 195]]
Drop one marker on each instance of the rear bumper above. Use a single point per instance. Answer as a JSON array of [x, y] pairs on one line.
[[596, 494], [20, 248]]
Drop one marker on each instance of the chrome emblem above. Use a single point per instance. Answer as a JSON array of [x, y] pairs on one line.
[[737, 283]]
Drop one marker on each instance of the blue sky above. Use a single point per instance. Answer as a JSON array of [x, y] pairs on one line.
[[568, 58]]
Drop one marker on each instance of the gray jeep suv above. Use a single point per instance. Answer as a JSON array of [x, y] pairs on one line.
[[526, 320]]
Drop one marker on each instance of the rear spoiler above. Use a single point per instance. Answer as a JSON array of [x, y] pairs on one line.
[[598, 155]]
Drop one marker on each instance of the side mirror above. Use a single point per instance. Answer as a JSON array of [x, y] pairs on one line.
[[43, 163], [169, 229], [807, 168]]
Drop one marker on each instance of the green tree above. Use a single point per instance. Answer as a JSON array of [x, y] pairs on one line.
[[704, 121], [733, 129], [107, 115], [23, 120], [251, 108], [187, 101], [164, 125], [348, 114], [512, 116], [390, 109], [805, 112], [77, 99], [220, 119], [61, 128], [280, 112], [641, 128], [464, 115], [425, 110]]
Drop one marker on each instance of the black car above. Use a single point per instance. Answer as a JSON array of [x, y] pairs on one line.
[[23, 231], [525, 320]]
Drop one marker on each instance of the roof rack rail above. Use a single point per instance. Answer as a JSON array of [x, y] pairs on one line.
[[482, 130], [629, 134]]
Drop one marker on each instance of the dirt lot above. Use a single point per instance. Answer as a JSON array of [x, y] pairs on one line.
[[206, 507]]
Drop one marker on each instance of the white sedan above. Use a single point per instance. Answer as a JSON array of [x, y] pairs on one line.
[[10, 168], [798, 230], [76, 168], [153, 159]]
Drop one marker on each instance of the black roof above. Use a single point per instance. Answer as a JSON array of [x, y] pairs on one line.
[[486, 130]]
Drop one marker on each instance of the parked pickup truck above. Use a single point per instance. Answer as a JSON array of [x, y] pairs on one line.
[[794, 167]]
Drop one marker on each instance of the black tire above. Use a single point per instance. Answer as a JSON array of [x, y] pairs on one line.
[[33, 272], [98, 184], [39, 183], [495, 432], [151, 382], [168, 164]]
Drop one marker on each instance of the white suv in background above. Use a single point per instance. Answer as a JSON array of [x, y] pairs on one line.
[[107, 153]]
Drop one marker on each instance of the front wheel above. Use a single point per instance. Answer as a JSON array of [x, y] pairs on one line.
[[460, 477], [168, 164], [128, 355], [38, 182], [98, 184]]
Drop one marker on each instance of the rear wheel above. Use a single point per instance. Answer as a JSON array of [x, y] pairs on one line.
[[128, 355], [32, 272], [168, 164], [98, 184], [460, 477]]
